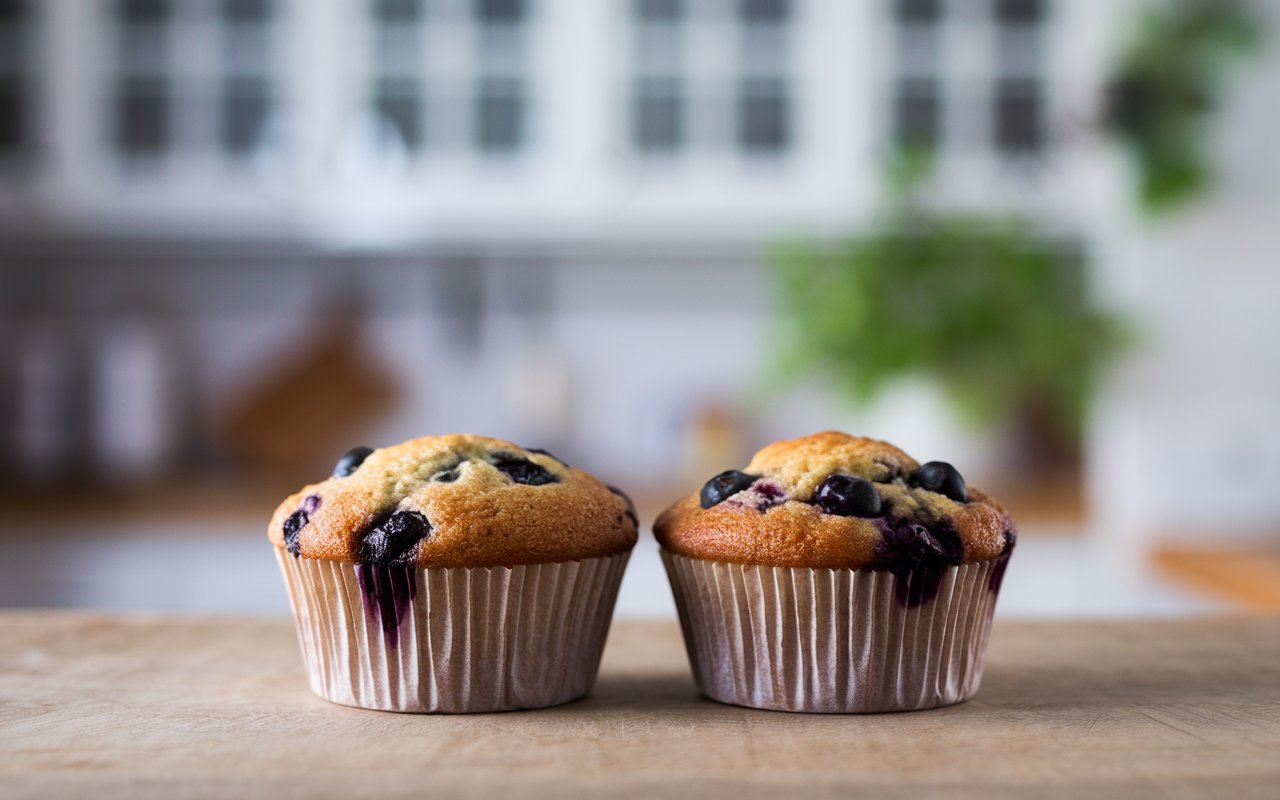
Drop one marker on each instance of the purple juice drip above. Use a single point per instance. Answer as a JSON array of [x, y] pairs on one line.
[[918, 557], [387, 592]]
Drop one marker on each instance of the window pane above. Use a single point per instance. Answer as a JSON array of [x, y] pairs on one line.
[[658, 11], [398, 12], [764, 12], [657, 116], [1019, 124], [397, 50], [13, 116], [919, 12], [142, 36], [247, 50], [500, 50], [1020, 12], [143, 12], [398, 104], [246, 12], [916, 114], [142, 117], [764, 124], [499, 115], [246, 103], [500, 12]]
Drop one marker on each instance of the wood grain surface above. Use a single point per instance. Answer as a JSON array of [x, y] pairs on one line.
[[109, 706]]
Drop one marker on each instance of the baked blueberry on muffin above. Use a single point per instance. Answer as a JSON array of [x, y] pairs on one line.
[[836, 573], [444, 573]]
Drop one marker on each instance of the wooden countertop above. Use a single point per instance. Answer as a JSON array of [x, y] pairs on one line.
[[110, 706]]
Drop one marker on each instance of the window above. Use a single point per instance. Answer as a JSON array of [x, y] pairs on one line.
[[192, 79], [918, 12], [15, 111], [248, 100], [142, 108], [1019, 12], [247, 12], [1018, 117], [398, 103], [500, 12], [144, 12], [499, 115], [956, 92], [763, 116], [764, 12], [246, 105], [658, 116], [737, 100], [659, 12], [397, 12], [431, 102], [142, 116], [917, 114], [1018, 98]]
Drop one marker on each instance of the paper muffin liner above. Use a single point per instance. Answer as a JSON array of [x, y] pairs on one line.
[[834, 640], [401, 638]]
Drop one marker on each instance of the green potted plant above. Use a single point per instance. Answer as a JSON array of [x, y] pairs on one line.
[[1166, 85], [992, 309]]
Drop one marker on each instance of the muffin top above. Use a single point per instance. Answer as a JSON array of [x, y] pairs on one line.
[[837, 501], [454, 501]]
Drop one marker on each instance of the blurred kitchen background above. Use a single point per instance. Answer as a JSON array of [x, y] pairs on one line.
[[1035, 238]]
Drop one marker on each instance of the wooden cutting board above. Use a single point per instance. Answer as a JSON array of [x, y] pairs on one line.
[[110, 706]]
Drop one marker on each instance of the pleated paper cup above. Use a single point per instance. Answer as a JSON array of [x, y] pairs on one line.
[[401, 638], [835, 640]]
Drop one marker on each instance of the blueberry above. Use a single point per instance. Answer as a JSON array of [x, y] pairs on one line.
[[522, 470], [724, 486], [631, 507], [391, 538], [546, 453], [351, 461], [293, 525], [847, 496], [941, 477], [446, 475]]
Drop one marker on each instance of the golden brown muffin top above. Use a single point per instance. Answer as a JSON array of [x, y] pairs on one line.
[[837, 501], [454, 501]]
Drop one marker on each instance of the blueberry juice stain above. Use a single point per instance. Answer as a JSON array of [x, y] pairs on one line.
[[388, 591], [917, 557]]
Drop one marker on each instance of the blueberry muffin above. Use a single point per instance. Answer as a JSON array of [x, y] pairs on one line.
[[444, 573], [875, 573]]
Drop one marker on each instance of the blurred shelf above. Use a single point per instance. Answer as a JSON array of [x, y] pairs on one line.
[[205, 500], [1051, 500], [1052, 503], [1247, 576]]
